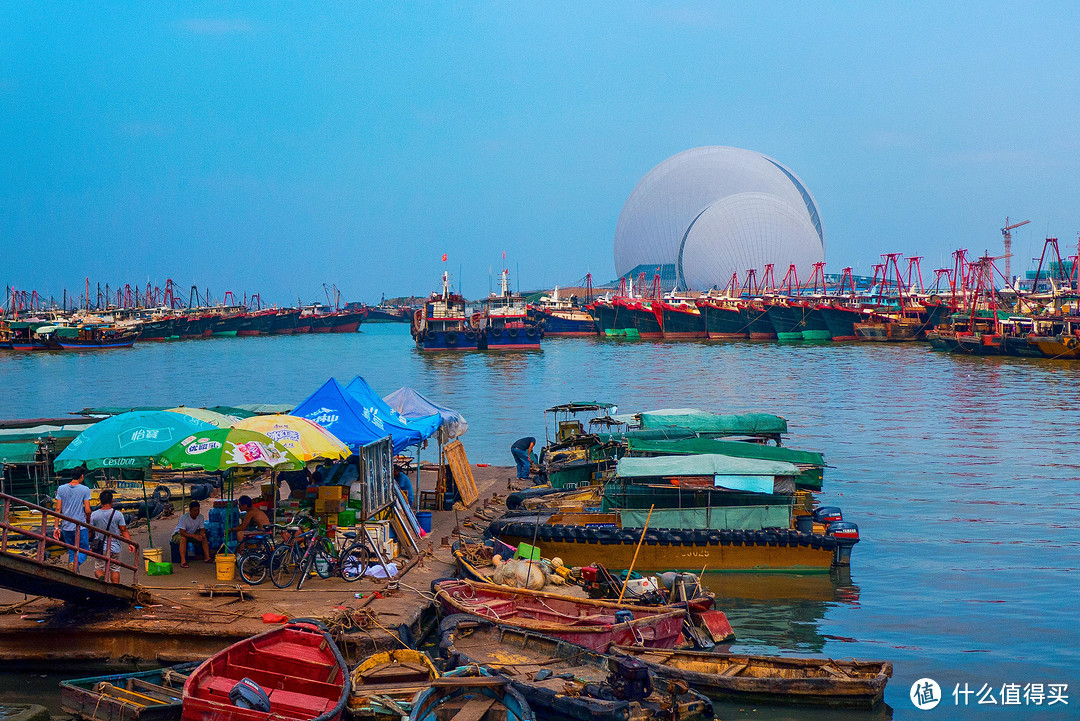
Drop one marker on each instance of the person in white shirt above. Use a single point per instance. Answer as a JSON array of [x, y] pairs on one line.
[[190, 527]]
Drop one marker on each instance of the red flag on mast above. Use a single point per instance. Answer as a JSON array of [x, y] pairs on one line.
[[444, 257]]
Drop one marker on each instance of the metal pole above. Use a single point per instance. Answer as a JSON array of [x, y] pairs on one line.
[[636, 550]]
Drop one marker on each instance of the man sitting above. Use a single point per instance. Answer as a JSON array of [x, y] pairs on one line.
[[254, 519], [190, 527]]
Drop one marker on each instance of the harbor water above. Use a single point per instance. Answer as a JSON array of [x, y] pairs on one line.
[[961, 472]]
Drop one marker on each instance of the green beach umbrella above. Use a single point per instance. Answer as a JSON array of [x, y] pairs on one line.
[[128, 440], [223, 448]]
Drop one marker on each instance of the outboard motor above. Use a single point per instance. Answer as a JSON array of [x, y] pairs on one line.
[[828, 514], [847, 535], [247, 694], [629, 678]]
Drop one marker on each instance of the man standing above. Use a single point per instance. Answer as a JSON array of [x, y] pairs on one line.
[[73, 500], [190, 527], [254, 519], [522, 450], [109, 519]]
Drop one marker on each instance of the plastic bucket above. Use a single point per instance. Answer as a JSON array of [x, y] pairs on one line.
[[804, 524], [424, 519], [151, 555], [226, 566]]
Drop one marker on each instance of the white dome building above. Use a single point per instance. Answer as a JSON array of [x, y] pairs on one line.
[[709, 212]]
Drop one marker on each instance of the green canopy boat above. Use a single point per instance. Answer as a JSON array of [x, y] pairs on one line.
[[810, 463], [743, 424], [737, 474]]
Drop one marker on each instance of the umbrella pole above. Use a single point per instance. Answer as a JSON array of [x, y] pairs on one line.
[[146, 505], [274, 501]]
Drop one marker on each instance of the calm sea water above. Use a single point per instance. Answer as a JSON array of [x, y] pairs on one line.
[[962, 474]]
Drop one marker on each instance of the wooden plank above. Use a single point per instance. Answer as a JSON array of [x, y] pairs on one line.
[[458, 681], [474, 709], [732, 670], [462, 471]]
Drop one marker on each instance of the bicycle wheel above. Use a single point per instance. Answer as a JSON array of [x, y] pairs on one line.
[[253, 567], [354, 562], [283, 566], [325, 560]]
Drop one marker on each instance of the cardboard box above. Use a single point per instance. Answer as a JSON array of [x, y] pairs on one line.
[[328, 519], [331, 493], [327, 505]]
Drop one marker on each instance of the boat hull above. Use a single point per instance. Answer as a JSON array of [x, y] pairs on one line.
[[682, 324], [559, 324], [527, 338], [79, 698], [644, 321], [448, 340], [1057, 346], [585, 622], [723, 322], [841, 321]]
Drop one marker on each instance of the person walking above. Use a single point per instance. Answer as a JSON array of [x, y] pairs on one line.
[[73, 501], [522, 452], [109, 519], [191, 527]]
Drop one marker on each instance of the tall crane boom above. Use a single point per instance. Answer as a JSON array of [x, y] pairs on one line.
[[1006, 233]]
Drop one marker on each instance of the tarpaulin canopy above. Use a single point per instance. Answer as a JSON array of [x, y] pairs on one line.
[[739, 474], [424, 426], [738, 449], [744, 424], [413, 404], [336, 410]]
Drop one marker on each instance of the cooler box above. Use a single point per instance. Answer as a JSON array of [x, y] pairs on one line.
[[331, 493]]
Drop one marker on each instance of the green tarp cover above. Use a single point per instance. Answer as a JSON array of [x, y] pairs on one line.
[[746, 518], [708, 464], [18, 452], [700, 421], [738, 449]]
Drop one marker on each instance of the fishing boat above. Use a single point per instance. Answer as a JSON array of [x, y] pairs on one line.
[[840, 318], [562, 680], [92, 336], [470, 693], [680, 318], [444, 323], [587, 622], [285, 321], [384, 684], [723, 318], [612, 319], [293, 672], [562, 316], [140, 696], [755, 317], [773, 679], [506, 321]]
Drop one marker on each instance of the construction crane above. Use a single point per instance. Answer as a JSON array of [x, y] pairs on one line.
[[1006, 232]]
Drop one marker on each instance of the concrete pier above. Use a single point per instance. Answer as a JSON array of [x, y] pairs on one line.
[[189, 615]]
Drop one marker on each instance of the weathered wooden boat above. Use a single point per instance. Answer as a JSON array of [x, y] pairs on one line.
[[140, 696], [384, 684], [564, 681], [93, 337], [1057, 346], [587, 622], [771, 678], [294, 672], [471, 693]]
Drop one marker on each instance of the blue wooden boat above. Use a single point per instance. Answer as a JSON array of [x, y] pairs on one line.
[[471, 693], [140, 696]]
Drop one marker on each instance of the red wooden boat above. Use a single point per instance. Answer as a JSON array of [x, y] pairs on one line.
[[298, 667], [587, 622]]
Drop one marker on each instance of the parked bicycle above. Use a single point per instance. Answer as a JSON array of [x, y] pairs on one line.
[[254, 553], [313, 550]]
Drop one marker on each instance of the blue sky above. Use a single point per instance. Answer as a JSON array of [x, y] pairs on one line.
[[274, 147]]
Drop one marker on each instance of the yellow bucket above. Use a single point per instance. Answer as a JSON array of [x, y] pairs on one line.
[[226, 566], [151, 554]]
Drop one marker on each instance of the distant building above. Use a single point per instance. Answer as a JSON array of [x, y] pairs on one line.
[[708, 212]]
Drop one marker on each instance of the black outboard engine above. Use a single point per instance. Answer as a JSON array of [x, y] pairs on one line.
[[247, 694], [629, 678], [846, 535], [828, 514]]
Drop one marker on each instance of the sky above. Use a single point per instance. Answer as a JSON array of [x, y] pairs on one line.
[[275, 147]]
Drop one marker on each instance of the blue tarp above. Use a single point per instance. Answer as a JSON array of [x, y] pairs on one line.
[[336, 410], [413, 404], [397, 424]]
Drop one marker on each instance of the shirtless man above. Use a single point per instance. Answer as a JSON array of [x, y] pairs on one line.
[[254, 519]]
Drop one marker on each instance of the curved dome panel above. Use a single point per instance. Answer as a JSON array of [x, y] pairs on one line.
[[746, 231], [657, 217]]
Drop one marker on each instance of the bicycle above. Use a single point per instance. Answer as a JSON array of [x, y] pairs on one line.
[[321, 555], [253, 563]]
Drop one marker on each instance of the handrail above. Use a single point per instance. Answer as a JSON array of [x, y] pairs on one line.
[[44, 537]]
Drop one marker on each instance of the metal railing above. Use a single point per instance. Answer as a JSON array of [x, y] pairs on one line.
[[44, 538]]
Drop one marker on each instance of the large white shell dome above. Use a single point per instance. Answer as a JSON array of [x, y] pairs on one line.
[[714, 211]]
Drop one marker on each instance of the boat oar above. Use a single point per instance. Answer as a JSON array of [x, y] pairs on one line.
[[636, 550]]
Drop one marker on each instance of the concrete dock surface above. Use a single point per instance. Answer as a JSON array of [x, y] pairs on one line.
[[189, 615]]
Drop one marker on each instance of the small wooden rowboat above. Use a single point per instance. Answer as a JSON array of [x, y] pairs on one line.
[[140, 696], [384, 684], [561, 680], [587, 622], [298, 669], [771, 678], [470, 694]]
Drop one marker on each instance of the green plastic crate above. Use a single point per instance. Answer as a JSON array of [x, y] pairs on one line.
[[159, 569], [528, 552], [346, 518]]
